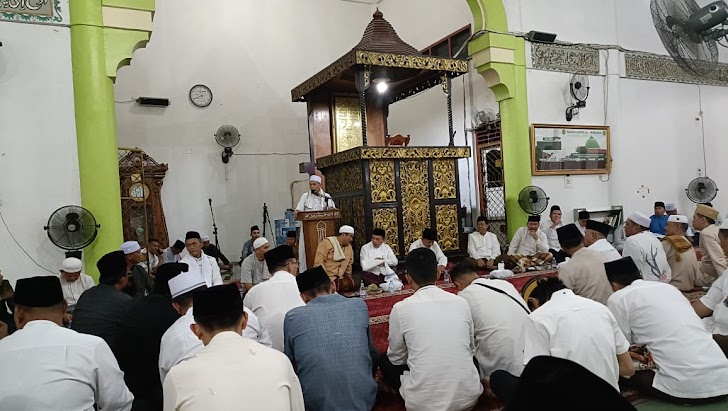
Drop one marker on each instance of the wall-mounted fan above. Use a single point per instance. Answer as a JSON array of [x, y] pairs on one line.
[[701, 190], [533, 200], [228, 137], [579, 92], [72, 228], [481, 118], [690, 33]]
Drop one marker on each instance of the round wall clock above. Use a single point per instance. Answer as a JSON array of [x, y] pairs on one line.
[[201, 95], [138, 192]]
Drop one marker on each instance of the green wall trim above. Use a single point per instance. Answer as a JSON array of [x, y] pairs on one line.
[[119, 46], [147, 5], [508, 82]]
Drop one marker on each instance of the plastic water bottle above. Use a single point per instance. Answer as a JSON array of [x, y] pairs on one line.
[[362, 289], [446, 277]]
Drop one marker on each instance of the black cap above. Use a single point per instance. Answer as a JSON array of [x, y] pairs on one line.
[[43, 291], [555, 208], [624, 265], [379, 232], [311, 279], [193, 235], [178, 245], [291, 234], [598, 226], [275, 257], [254, 228], [584, 215], [569, 235], [219, 300], [429, 234], [112, 267], [659, 204], [534, 218], [483, 219]]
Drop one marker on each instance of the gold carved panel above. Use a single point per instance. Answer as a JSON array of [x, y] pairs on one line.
[[415, 199], [446, 218], [443, 173], [382, 153], [386, 219], [344, 178], [347, 124], [361, 237], [381, 181]]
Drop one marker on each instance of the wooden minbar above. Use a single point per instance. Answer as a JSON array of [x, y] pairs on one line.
[[378, 180], [317, 226]]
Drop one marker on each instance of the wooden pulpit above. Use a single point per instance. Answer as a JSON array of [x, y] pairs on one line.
[[317, 225]]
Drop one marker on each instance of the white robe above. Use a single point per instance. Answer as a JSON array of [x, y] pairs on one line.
[[311, 202], [441, 258], [48, 367], [649, 256], [72, 291], [523, 243], [551, 235], [483, 246], [368, 257], [206, 266], [608, 251], [233, 373], [180, 343]]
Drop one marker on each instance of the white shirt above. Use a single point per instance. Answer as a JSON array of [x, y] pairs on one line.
[[233, 373], [483, 246], [441, 258], [608, 251], [552, 237], [690, 364], [649, 256], [577, 329], [271, 300], [499, 326], [312, 202], [714, 300], [206, 266], [524, 244], [180, 343], [47, 367], [368, 259], [582, 230], [72, 291], [432, 332]]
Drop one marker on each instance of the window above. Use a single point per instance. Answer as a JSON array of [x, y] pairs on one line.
[[450, 45]]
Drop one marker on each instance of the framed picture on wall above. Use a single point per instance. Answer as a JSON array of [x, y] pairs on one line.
[[558, 149]]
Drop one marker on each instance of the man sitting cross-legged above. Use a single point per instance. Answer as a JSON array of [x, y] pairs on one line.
[[499, 319], [691, 368], [320, 337], [430, 354], [529, 247], [575, 328]]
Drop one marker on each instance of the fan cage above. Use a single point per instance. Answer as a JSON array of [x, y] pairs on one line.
[[701, 190], [62, 234], [525, 200], [227, 136]]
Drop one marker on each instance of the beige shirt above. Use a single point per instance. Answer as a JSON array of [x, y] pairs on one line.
[[233, 372], [325, 259], [685, 271], [713, 262], [585, 275]]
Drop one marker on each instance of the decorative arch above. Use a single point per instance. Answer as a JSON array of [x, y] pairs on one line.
[[501, 60]]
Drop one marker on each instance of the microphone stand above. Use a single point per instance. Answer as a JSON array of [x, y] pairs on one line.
[[214, 226]]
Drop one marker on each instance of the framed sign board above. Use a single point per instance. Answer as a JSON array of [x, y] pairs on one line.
[[565, 149]]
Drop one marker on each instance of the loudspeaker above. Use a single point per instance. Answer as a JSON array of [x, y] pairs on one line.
[[153, 101], [540, 37]]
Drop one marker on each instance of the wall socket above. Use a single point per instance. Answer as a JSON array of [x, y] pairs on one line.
[[567, 180], [189, 151]]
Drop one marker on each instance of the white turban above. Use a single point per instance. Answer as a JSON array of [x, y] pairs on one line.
[[185, 282], [205, 238], [670, 207], [259, 242], [71, 265], [640, 219], [346, 229], [315, 178], [130, 247]]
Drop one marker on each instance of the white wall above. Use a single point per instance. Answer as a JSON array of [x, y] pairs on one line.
[[38, 157], [251, 54]]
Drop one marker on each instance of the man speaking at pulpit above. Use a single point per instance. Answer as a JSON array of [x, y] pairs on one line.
[[314, 200]]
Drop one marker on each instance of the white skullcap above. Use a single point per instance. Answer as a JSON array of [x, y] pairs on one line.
[[130, 247], [205, 238], [677, 219], [259, 242], [640, 219], [315, 178], [346, 229], [670, 207], [71, 265], [185, 282]]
